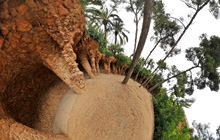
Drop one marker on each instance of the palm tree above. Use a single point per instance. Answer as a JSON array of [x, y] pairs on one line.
[[119, 31], [104, 17]]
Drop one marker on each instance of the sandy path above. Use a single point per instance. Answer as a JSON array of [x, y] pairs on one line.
[[107, 110]]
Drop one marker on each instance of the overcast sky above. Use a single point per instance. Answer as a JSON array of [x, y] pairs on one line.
[[205, 108]]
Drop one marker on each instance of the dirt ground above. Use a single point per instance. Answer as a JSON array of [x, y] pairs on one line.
[[108, 110]]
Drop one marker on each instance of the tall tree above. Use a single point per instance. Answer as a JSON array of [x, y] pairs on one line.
[[165, 30], [197, 6], [206, 57], [136, 7], [148, 4]]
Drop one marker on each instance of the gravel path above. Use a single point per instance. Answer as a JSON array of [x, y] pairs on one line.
[[107, 110]]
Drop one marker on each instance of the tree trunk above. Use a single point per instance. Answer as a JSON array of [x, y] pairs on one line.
[[116, 34], [124, 70], [147, 59], [136, 33], [146, 81], [155, 46], [145, 29], [136, 76], [105, 31]]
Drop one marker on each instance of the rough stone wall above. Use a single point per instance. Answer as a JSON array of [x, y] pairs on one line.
[[23, 93], [34, 31], [35, 35]]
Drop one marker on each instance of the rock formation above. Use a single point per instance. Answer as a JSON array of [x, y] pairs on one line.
[[111, 59], [36, 40], [93, 52], [87, 50], [97, 60], [104, 63]]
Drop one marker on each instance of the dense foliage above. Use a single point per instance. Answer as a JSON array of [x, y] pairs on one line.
[[170, 121], [207, 58]]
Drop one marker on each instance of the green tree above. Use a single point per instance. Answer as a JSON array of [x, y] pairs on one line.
[[95, 32], [168, 114], [123, 60], [197, 6], [116, 49], [207, 58], [165, 29], [178, 75], [139, 67]]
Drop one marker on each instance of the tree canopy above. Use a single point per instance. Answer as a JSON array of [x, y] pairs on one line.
[[207, 58]]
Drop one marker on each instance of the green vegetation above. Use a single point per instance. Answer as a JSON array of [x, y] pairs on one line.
[[207, 58], [170, 123], [104, 22]]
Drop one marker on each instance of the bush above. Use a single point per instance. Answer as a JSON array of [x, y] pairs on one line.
[[123, 59]]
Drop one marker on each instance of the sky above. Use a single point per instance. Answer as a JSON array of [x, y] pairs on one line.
[[205, 107]]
